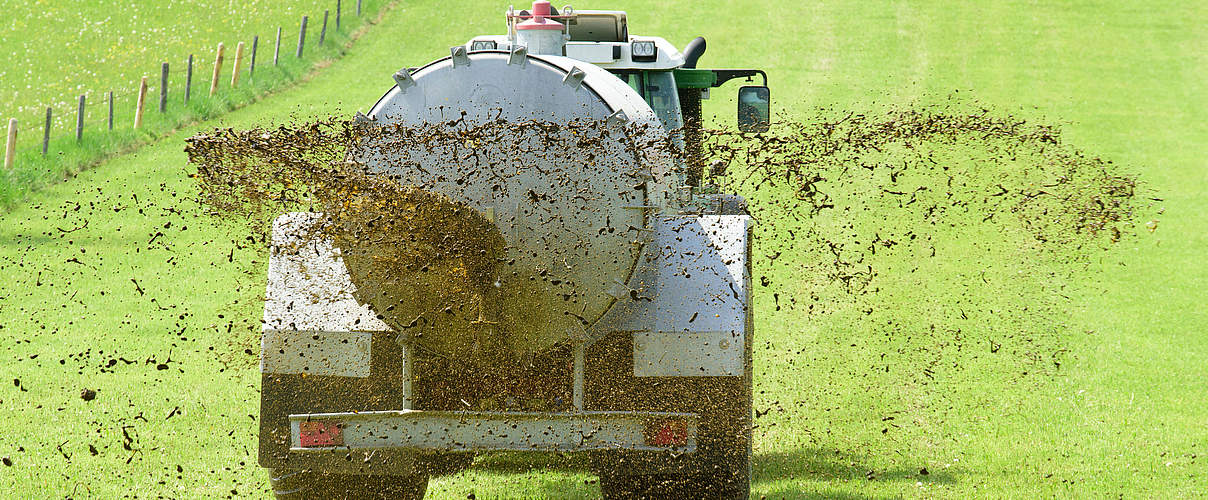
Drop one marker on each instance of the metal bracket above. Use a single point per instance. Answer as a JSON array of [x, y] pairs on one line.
[[574, 78], [403, 79], [725, 75], [618, 118], [519, 55], [460, 58]]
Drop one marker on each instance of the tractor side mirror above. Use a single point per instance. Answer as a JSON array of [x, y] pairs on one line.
[[754, 108]]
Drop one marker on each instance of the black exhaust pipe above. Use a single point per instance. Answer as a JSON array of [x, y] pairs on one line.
[[693, 51]]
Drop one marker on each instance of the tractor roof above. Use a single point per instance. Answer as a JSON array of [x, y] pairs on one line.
[[600, 37]]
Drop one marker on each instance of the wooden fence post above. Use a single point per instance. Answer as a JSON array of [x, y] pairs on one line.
[[46, 133], [110, 110], [189, 79], [80, 121], [138, 109], [251, 70], [236, 67], [277, 49], [323, 32], [163, 88], [302, 36], [217, 69], [10, 146], [338, 5]]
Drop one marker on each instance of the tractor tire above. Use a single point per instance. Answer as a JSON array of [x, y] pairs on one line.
[[290, 484], [711, 478], [720, 468]]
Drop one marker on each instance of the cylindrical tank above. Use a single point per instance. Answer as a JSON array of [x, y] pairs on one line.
[[572, 217]]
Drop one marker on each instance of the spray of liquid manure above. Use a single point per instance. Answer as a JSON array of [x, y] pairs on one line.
[[927, 232]]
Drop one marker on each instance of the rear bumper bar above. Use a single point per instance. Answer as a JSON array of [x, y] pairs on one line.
[[445, 431]]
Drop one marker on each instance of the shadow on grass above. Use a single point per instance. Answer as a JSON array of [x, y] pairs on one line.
[[816, 466], [820, 466]]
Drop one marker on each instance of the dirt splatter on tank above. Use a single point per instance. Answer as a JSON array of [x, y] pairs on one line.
[[528, 249]]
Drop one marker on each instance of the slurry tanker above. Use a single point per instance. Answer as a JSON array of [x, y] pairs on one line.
[[621, 290]]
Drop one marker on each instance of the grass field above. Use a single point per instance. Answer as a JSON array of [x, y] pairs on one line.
[[56, 50], [152, 305], [59, 51]]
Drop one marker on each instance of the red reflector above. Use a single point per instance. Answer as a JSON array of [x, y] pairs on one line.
[[319, 433], [667, 433]]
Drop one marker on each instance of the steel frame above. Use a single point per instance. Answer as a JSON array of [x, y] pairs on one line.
[[445, 431]]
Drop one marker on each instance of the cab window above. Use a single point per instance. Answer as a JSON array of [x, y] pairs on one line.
[[658, 89]]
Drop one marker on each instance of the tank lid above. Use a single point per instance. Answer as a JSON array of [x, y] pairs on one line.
[[540, 19]]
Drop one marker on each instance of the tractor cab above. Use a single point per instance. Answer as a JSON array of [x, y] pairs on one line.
[[665, 77]]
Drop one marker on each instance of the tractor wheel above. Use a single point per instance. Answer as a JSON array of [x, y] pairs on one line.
[[721, 467], [306, 485], [730, 481]]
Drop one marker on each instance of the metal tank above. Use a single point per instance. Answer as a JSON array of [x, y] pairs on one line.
[[573, 227]]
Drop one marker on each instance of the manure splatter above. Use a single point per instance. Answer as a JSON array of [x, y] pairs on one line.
[[897, 252], [900, 251], [849, 205], [435, 268]]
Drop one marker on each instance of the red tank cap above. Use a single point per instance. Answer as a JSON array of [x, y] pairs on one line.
[[539, 21]]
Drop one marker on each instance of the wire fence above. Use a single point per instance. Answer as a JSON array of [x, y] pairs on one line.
[[116, 103]]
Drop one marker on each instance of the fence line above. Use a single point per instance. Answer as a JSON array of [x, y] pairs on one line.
[[80, 121], [10, 146], [217, 69], [163, 88], [238, 68], [251, 70], [138, 109], [302, 36], [189, 78], [323, 32], [46, 133]]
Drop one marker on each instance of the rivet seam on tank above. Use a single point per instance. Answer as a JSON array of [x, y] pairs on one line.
[[574, 78], [519, 56], [460, 58], [403, 79]]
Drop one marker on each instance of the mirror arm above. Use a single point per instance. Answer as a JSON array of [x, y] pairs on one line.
[[725, 75]]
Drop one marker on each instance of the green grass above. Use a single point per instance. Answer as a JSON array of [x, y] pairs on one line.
[[61, 50], [1123, 416]]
